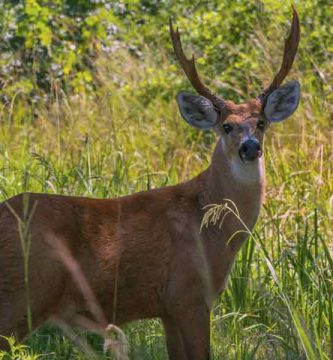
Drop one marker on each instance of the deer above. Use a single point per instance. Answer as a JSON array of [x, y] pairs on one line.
[[147, 255]]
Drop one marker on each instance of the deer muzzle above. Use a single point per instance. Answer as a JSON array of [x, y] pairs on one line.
[[250, 150]]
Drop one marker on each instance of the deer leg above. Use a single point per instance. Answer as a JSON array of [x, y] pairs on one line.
[[12, 324], [194, 325], [7, 326], [174, 340], [4, 346]]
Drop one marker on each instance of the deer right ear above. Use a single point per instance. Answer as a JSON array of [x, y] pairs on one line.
[[282, 102], [197, 110]]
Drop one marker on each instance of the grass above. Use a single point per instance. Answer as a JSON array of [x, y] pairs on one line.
[[113, 143]]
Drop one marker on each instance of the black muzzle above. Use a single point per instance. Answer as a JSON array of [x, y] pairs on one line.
[[250, 150]]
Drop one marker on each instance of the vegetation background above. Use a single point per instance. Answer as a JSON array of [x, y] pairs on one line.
[[88, 107]]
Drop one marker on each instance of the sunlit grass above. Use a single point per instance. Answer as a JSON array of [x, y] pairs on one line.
[[113, 143]]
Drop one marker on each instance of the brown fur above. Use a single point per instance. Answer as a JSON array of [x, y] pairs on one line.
[[151, 241]]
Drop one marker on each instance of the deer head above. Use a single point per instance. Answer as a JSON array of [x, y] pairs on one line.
[[241, 126]]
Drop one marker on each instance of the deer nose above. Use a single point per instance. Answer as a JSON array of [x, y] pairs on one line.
[[250, 150]]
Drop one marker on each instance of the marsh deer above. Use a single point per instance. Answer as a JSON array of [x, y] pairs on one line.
[[146, 255]]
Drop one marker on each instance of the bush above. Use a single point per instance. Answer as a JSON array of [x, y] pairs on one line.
[[52, 46]]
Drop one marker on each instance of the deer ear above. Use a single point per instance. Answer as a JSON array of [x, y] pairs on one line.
[[197, 110], [282, 102]]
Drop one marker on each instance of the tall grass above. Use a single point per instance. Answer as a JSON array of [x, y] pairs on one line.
[[115, 142]]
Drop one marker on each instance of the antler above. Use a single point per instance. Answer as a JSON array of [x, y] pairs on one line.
[[191, 71], [290, 50]]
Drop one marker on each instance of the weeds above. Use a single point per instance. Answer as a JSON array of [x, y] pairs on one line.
[[18, 352], [23, 225]]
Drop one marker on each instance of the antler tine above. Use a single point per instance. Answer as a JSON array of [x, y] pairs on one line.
[[191, 71], [290, 50]]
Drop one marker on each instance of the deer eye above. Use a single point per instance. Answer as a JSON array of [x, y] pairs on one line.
[[227, 128], [261, 125]]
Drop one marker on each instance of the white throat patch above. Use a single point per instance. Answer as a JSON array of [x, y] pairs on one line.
[[246, 173]]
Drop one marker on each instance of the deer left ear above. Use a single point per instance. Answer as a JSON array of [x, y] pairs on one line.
[[197, 110], [282, 102]]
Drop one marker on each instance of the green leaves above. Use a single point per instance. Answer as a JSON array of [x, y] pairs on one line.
[[52, 43], [238, 43]]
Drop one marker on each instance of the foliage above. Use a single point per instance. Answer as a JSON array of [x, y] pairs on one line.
[[17, 352], [53, 46]]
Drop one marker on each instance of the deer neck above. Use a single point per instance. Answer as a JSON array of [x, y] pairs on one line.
[[225, 181], [231, 179]]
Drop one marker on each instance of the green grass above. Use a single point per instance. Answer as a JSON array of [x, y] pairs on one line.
[[279, 300]]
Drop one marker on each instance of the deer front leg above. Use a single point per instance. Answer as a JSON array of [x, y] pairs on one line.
[[4, 346], [194, 325], [188, 334], [174, 340]]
